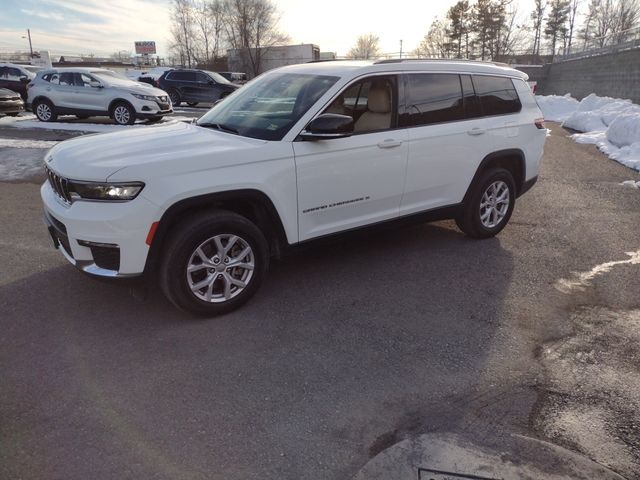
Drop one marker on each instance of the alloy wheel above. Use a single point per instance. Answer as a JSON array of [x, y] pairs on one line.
[[220, 268], [121, 115], [494, 204], [43, 111]]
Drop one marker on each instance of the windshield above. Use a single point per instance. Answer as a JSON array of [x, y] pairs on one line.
[[217, 77], [269, 106]]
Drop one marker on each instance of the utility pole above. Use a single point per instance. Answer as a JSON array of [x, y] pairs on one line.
[[401, 48], [30, 46]]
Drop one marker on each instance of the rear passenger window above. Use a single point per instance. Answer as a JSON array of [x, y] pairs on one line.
[[432, 98], [183, 76], [497, 95]]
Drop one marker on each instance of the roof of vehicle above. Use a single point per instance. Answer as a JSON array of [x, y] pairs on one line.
[[352, 67], [73, 69]]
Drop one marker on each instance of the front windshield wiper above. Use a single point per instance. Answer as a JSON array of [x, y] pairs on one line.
[[219, 126]]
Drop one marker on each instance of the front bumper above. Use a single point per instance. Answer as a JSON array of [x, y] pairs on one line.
[[91, 234], [147, 109]]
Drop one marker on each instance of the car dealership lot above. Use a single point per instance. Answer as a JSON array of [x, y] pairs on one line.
[[349, 348]]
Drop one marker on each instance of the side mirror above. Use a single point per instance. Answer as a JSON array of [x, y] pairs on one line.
[[328, 126], [95, 84]]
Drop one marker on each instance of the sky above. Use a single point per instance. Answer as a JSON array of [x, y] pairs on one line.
[[102, 27]]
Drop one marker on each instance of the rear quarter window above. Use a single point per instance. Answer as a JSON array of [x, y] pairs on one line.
[[497, 95], [432, 98]]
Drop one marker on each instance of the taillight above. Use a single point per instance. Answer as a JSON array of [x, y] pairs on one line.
[[539, 122]]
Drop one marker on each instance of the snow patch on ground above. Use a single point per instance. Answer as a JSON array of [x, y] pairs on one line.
[[30, 121], [22, 143], [22, 164], [612, 124]]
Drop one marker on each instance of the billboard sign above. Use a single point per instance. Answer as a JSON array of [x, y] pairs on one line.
[[145, 48]]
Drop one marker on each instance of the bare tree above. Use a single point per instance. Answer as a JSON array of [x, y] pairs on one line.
[[627, 14], [537, 16], [513, 35], [182, 30], [573, 11], [251, 27], [366, 47], [435, 43]]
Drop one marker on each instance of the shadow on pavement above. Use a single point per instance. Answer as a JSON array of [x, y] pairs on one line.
[[347, 348]]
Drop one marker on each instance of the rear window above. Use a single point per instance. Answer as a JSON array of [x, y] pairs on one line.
[[497, 95], [432, 98]]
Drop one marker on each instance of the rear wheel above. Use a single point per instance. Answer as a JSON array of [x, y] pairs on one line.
[[214, 263], [174, 96], [45, 111], [490, 204], [123, 114]]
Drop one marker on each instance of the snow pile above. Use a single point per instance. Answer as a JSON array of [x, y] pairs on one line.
[[631, 183], [557, 108], [597, 113], [610, 123]]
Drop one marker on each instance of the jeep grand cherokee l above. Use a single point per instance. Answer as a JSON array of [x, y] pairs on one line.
[[299, 153]]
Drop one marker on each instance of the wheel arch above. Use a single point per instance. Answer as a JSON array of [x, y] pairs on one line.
[[512, 159], [252, 204], [118, 100]]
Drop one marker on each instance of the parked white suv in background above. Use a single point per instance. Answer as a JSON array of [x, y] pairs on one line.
[[88, 92], [299, 153]]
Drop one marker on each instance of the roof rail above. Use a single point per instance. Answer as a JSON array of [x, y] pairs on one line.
[[402, 60]]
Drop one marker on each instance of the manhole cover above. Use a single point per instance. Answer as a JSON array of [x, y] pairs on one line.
[[426, 474]]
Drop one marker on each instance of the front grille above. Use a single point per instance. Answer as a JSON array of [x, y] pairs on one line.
[[60, 185]]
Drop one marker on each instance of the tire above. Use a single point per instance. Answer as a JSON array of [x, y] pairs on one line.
[[154, 119], [482, 216], [211, 233], [44, 110], [174, 96], [123, 114], [192, 104]]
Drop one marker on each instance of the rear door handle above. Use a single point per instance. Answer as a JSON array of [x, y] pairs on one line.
[[389, 143], [476, 131]]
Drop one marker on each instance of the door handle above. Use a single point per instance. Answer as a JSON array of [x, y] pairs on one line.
[[389, 143], [476, 131]]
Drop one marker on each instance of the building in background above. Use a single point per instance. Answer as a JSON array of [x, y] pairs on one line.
[[260, 60]]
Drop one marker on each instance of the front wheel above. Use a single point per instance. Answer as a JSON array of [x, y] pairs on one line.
[[174, 96], [123, 114], [490, 204], [214, 263]]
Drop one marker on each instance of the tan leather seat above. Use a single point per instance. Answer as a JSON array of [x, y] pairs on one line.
[[378, 114]]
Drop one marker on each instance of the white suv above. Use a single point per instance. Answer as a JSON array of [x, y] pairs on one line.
[[88, 92], [299, 153]]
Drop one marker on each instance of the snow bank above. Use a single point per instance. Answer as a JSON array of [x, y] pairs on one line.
[[556, 108], [30, 121], [23, 164], [610, 123]]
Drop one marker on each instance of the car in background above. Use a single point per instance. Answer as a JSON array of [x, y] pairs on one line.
[[10, 102], [235, 77], [87, 92], [195, 86], [16, 77]]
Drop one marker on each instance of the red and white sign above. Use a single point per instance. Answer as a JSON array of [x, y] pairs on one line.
[[143, 48]]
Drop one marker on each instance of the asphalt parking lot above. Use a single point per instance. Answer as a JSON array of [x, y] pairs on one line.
[[348, 348]]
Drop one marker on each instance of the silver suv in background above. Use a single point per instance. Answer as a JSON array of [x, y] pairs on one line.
[[86, 92]]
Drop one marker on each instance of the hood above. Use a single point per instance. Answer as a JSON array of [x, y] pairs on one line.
[[147, 152], [142, 89]]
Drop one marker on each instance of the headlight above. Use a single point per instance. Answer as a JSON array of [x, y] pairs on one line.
[[150, 98], [106, 191]]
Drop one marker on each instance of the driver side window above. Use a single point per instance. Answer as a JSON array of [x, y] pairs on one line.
[[372, 103]]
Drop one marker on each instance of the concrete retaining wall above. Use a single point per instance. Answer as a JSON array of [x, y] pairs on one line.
[[612, 75]]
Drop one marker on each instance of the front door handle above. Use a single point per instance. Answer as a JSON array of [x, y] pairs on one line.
[[389, 143], [476, 131]]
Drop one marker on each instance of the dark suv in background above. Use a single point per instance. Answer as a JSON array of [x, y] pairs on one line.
[[195, 86], [16, 78]]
